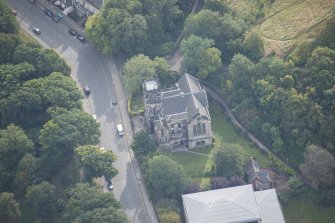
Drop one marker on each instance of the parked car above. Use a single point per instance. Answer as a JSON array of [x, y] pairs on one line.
[[81, 38], [56, 19], [119, 129], [47, 12], [86, 90], [36, 30], [73, 32], [110, 186]]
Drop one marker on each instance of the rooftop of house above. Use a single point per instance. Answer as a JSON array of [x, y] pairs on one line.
[[187, 100], [233, 205], [254, 170]]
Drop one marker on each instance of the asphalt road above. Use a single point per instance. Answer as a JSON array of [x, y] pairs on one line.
[[91, 68]]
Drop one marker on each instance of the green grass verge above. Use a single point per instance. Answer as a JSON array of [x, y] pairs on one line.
[[26, 38], [302, 209]]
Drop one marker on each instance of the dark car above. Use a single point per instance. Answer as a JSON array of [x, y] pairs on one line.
[[72, 32], [86, 90], [56, 19], [37, 30], [81, 38], [48, 12]]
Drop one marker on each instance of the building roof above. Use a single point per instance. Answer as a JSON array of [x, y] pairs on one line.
[[254, 171], [151, 85], [232, 205], [269, 206], [188, 98]]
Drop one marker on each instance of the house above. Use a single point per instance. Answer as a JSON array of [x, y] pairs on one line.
[[178, 116], [239, 204], [258, 177]]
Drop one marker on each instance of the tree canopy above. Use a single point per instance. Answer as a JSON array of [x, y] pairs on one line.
[[84, 199], [9, 208], [227, 160], [142, 144], [96, 162], [41, 200], [134, 26], [200, 58], [14, 144], [318, 167], [175, 180]]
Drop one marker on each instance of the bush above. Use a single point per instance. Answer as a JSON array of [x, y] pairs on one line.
[[295, 184], [193, 187], [219, 182]]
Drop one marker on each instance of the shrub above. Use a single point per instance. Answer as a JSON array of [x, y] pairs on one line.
[[219, 182]]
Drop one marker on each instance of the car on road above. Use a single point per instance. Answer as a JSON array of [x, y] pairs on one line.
[[110, 186], [47, 12], [56, 19], [86, 90], [81, 38], [73, 32], [119, 129], [36, 30]]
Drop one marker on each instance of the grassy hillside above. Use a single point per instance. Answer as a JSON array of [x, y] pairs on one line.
[[290, 23]]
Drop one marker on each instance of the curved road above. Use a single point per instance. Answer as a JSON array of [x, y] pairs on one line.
[[101, 74]]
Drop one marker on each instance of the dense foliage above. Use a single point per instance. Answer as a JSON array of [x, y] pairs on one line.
[[288, 107], [174, 182], [90, 204], [135, 26]]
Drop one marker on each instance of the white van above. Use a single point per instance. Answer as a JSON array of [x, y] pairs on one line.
[[120, 129]]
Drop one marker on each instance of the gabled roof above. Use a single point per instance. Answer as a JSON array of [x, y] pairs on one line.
[[254, 171], [188, 98], [234, 204]]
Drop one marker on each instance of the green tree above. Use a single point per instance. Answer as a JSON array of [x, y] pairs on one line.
[[175, 180], [13, 76], [9, 208], [169, 217], [106, 215], [41, 200], [14, 144], [217, 5], [60, 135], [8, 23], [116, 31], [8, 44], [45, 61], [164, 72], [34, 97], [318, 167], [253, 46], [200, 57], [227, 160], [142, 144], [26, 173], [136, 70], [83, 199], [96, 162]]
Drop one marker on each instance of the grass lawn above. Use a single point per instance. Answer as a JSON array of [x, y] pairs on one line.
[[225, 132], [26, 38], [137, 102], [196, 165], [303, 210]]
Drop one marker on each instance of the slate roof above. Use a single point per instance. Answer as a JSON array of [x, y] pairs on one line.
[[233, 205], [254, 170], [187, 99]]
